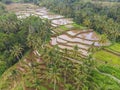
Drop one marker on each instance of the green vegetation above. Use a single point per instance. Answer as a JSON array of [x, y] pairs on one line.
[[115, 71], [104, 82], [103, 19], [76, 26], [28, 62], [2, 67], [63, 28], [115, 47], [60, 29], [104, 0], [20, 1], [107, 57], [57, 70], [2, 8], [17, 37]]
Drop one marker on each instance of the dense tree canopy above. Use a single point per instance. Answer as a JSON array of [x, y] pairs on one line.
[[101, 18], [52, 66], [15, 36]]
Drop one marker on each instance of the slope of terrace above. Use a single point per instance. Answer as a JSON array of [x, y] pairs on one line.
[[24, 74], [25, 10], [83, 39]]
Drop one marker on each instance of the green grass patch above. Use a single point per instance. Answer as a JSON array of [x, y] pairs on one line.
[[2, 67], [110, 70], [76, 26], [115, 47], [105, 82], [107, 57], [63, 27]]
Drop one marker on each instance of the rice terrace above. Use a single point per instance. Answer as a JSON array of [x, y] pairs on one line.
[[59, 45]]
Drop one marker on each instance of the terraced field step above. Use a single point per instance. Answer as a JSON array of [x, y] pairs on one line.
[[64, 21], [78, 56], [22, 68], [44, 13], [74, 33], [89, 35], [109, 75], [115, 47], [53, 17], [57, 31], [72, 45], [103, 56], [71, 52], [75, 40], [73, 60], [38, 63], [113, 70], [53, 32], [83, 52], [40, 69], [27, 63], [112, 51]]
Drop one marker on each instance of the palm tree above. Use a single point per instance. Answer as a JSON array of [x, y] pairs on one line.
[[79, 76], [92, 48], [103, 40], [69, 87], [53, 74], [34, 41], [39, 32], [66, 69], [36, 84], [23, 81], [65, 52], [87, 22], [16, 51], [14, 75], [52, 59], [75, 51], [115, 34]]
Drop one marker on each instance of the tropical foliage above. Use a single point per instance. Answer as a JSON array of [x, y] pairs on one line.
[[103, 19], [49, 68], [16, 36]]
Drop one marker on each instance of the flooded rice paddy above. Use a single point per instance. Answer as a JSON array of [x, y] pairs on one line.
[[26, 10], [83, 39]]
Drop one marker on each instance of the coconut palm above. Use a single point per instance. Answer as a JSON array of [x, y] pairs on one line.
[[65, 51], [66, 69], [103, 40], [75, 51], [34, 42], [53, 74], [52, 59], [14, 75], [36, 84], [92, 48], [16, 51], [79, 76]]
